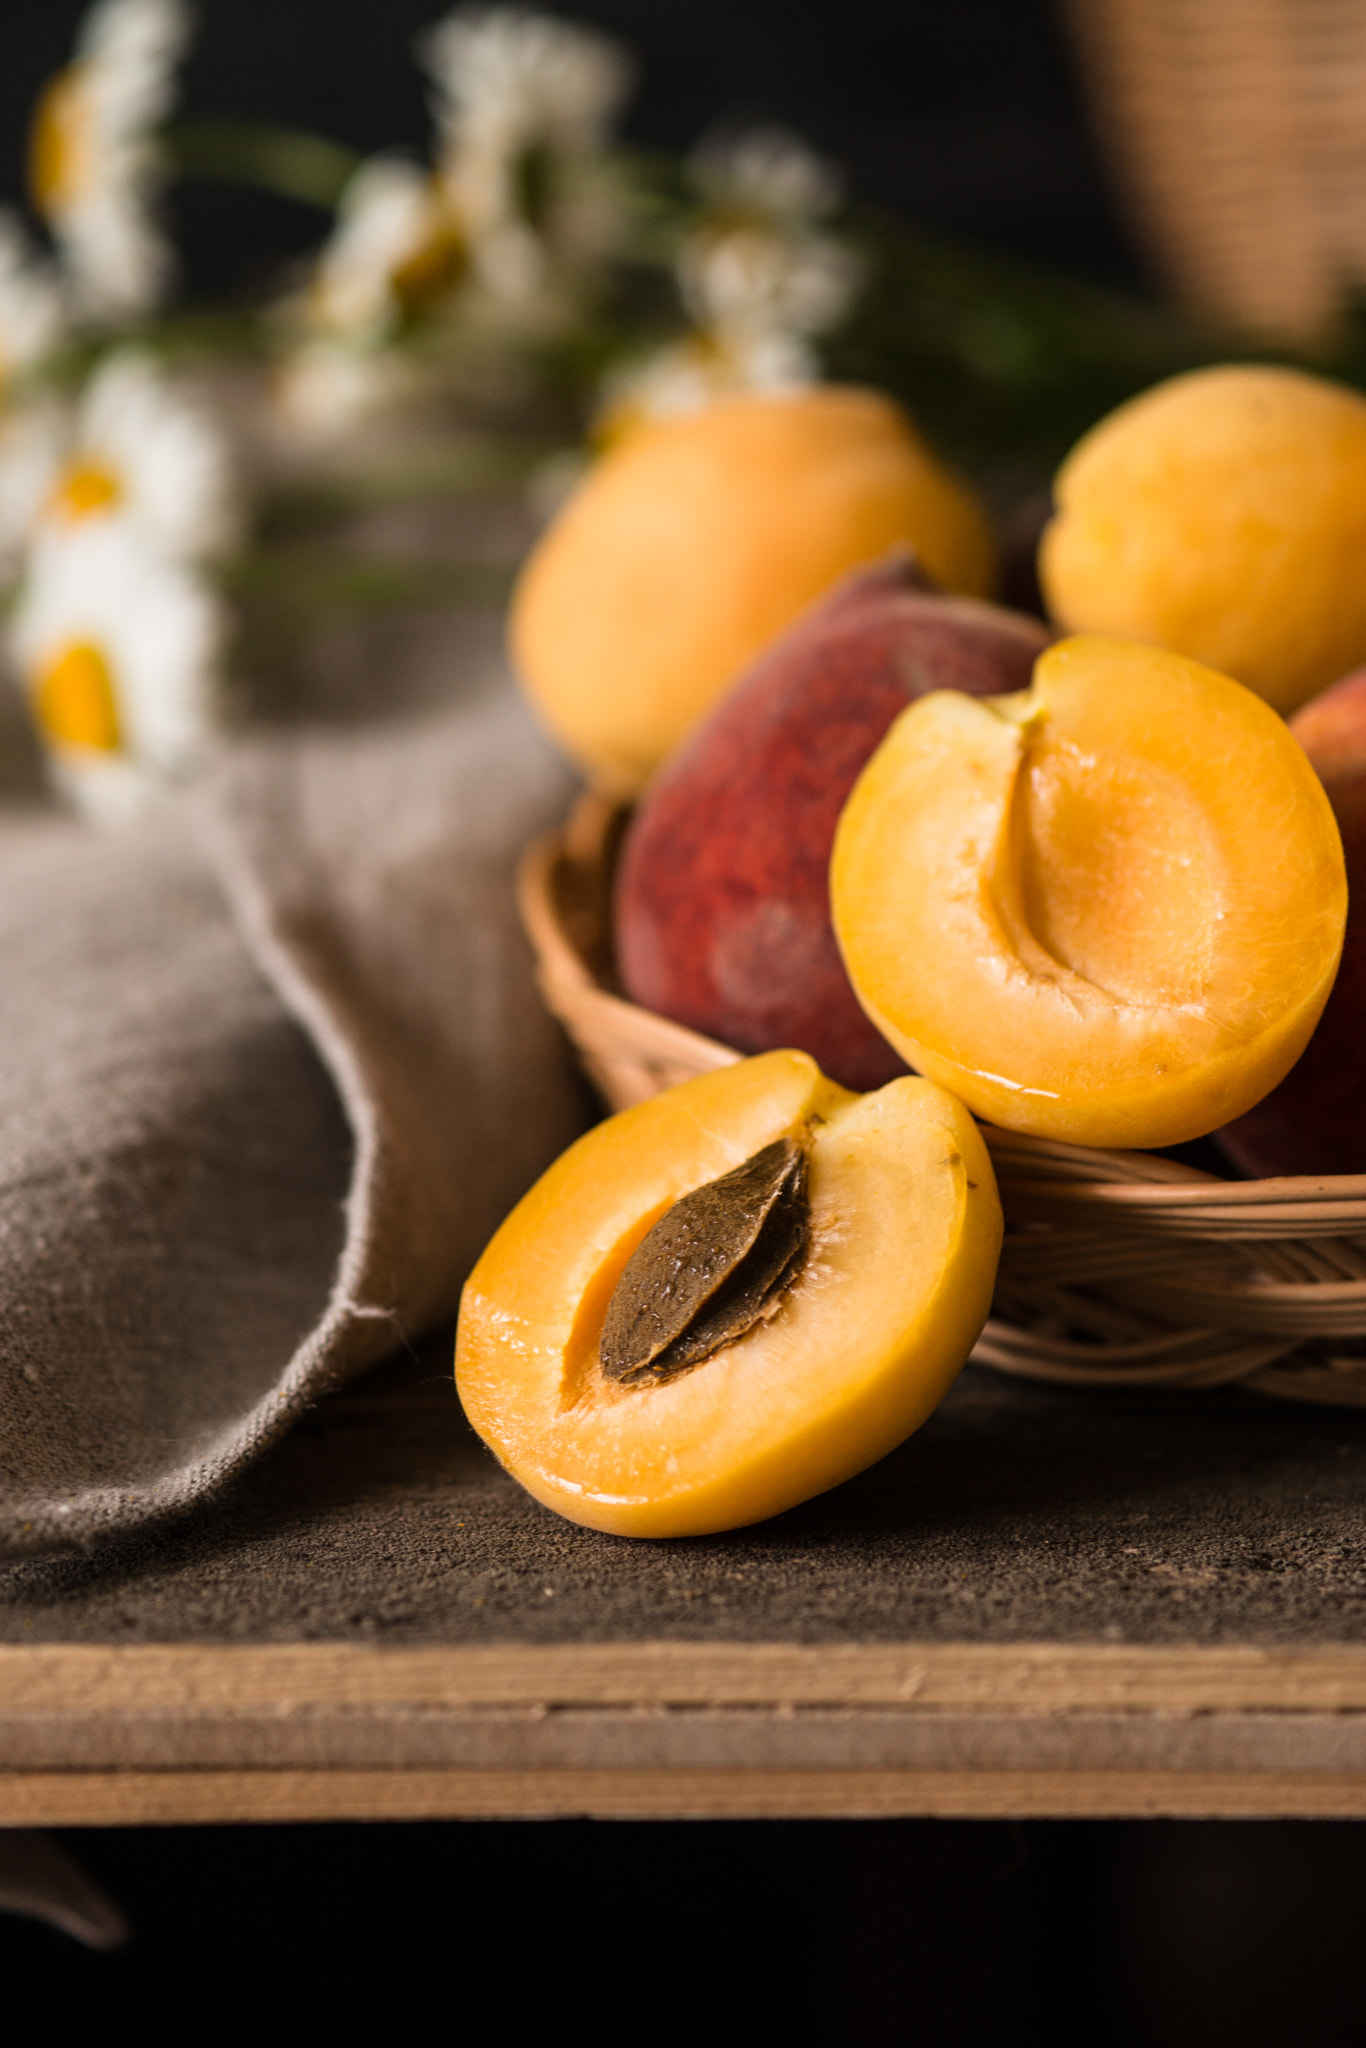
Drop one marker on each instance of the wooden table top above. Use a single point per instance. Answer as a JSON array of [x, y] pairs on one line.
[[1045, 1604]]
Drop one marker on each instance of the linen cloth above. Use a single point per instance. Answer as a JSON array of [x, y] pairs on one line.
[[273, 1070]]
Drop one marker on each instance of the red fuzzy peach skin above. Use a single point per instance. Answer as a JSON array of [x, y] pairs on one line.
[[723, 908]]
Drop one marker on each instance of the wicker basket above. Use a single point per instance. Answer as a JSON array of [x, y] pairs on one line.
[[1120, 1269], [1238, 132]]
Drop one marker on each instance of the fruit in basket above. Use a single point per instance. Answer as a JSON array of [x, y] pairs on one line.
[[723, 902], [731, 1297], [1315, 1122], [695, 540], [1107, 910], [1223, 515]]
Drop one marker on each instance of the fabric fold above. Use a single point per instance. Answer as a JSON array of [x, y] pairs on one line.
[[274, 1070]]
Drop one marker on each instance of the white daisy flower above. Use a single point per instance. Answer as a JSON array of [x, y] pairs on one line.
[[32, 313], [139, 452], [95, 165], [766, 176], [524, 106], [757, 277], [119, 654], [396, 248], [761, 297]]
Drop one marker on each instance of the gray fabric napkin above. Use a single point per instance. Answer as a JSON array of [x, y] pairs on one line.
[[273, 1070]]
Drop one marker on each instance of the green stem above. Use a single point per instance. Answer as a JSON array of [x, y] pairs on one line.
[[286, 160]]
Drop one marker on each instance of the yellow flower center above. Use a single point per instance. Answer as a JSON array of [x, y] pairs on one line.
[[74, 700], [61, 156], [84, 488], [430, 272]]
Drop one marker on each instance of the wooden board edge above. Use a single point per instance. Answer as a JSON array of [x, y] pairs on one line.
[[157, 1798], [962, 1677]]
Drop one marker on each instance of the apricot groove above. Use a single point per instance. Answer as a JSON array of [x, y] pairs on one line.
[[1104, 910]]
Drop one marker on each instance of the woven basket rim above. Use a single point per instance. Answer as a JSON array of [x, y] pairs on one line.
[[1119, 1268]]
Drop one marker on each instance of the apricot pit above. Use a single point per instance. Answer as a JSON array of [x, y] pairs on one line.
[[731, 1297], [1106, 909], [713, 1266]]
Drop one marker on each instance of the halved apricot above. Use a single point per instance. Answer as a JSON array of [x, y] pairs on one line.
[[859, 1317], [1106, 909]]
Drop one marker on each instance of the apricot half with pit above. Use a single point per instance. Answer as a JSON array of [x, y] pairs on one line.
[[731, 1297], [1108, 909], [1223, 515], [695, 540]]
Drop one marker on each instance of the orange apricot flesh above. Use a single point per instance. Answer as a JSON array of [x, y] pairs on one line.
[[1105, 909], [905, 1232]]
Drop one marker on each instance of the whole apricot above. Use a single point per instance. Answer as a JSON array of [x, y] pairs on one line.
[[731, 1297], [1108, 910], [1315, 1122], [723, 902], [695, 540], [1223, 515]]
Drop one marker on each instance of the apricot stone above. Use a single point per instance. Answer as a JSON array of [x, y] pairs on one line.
[[1108, 910], [855, 1343], [723, 901], [695, 540], [1223, 515], [1315, 1122]]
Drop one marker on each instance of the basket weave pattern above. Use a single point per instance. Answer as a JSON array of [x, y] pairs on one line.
[[1238, 128], [1120, 1269]]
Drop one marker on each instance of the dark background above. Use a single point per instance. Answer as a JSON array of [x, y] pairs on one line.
[[966, 119], [777, 1934]]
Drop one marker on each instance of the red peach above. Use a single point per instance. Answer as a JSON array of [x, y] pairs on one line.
[[1315, 1122], [723, 909]]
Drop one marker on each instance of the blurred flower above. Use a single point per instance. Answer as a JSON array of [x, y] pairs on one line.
[[765, 177], [32, 313], [395, 250], [94, 164], [524, 106], [395, 254], [327, 384], [139, 453], [118, 650], [757, 276], [762, 297]]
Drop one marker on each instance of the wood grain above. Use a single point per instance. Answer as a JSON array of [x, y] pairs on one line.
[[122, 1799], [1036, 1677], [151, 1733]]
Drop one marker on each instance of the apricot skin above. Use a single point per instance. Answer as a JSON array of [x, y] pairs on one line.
[[723, 904], [694, 541], [1106, 911], [1315, 1122], [1222, 515], [905, 1236]]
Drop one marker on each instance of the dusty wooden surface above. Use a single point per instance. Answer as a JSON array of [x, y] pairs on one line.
[[1045, 1603]]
